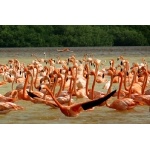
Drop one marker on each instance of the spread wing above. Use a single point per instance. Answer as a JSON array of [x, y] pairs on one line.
[[92, 103], [37, 99]]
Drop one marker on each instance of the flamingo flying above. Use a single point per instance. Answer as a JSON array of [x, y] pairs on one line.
[[74, 109]]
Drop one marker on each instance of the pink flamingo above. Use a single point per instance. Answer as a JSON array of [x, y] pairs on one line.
[[121, 103], [91, 93], [6, 107], [74, 109], [142, 98]]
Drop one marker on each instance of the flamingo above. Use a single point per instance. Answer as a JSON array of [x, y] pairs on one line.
[[142, 98], [121, 103], [114, 70], [7, 77], [66, 71], [6, 107], [73, 60], [9, 97], [80, 93], [62, 98], [80, 80], [100, 78], [136, 86], [107, 85], [23, 93], [2, 83], [39, 60], [64, 50], [91, 93], [74, 110], [120, 58], [37, 79], [112, 62], [90, 60]]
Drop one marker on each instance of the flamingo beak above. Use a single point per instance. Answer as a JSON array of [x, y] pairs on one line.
[[103, 75], [39, 88], [110, 63], [87, 75], [127, 73], [67, 79], [69, 68]]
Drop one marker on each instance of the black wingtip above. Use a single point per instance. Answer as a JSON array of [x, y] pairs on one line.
[[112, 93], [32, 95], [97, 102]]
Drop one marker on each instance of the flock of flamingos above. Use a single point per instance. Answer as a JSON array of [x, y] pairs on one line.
[[42, 81]]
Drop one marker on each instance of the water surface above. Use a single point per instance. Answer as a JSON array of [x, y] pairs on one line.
[[42, 114]]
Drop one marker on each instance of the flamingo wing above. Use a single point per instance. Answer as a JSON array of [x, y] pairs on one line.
[[37, 99], [92, 103]]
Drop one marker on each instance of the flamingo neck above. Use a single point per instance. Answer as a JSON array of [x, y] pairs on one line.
[[111, 82], [75, 79], [125, 80], [93, 85], [15, 80], [61, 86], [25, 86], [37, 58], [145, 82], [133, 80], [87, 83], [59, 105], [109, 90], [64, 81], [120, 85], [37, 70], [96, 69]]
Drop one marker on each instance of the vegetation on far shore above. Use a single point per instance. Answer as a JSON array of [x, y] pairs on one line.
[[74, 35]]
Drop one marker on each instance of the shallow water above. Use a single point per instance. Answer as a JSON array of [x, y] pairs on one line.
[[42, 114]]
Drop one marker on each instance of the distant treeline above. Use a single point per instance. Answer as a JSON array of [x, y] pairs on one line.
[[74, 35]]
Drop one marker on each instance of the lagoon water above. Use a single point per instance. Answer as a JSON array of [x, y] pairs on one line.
[[42, 114]]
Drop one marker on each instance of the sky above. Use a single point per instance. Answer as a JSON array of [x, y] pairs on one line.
[[74, 12]]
